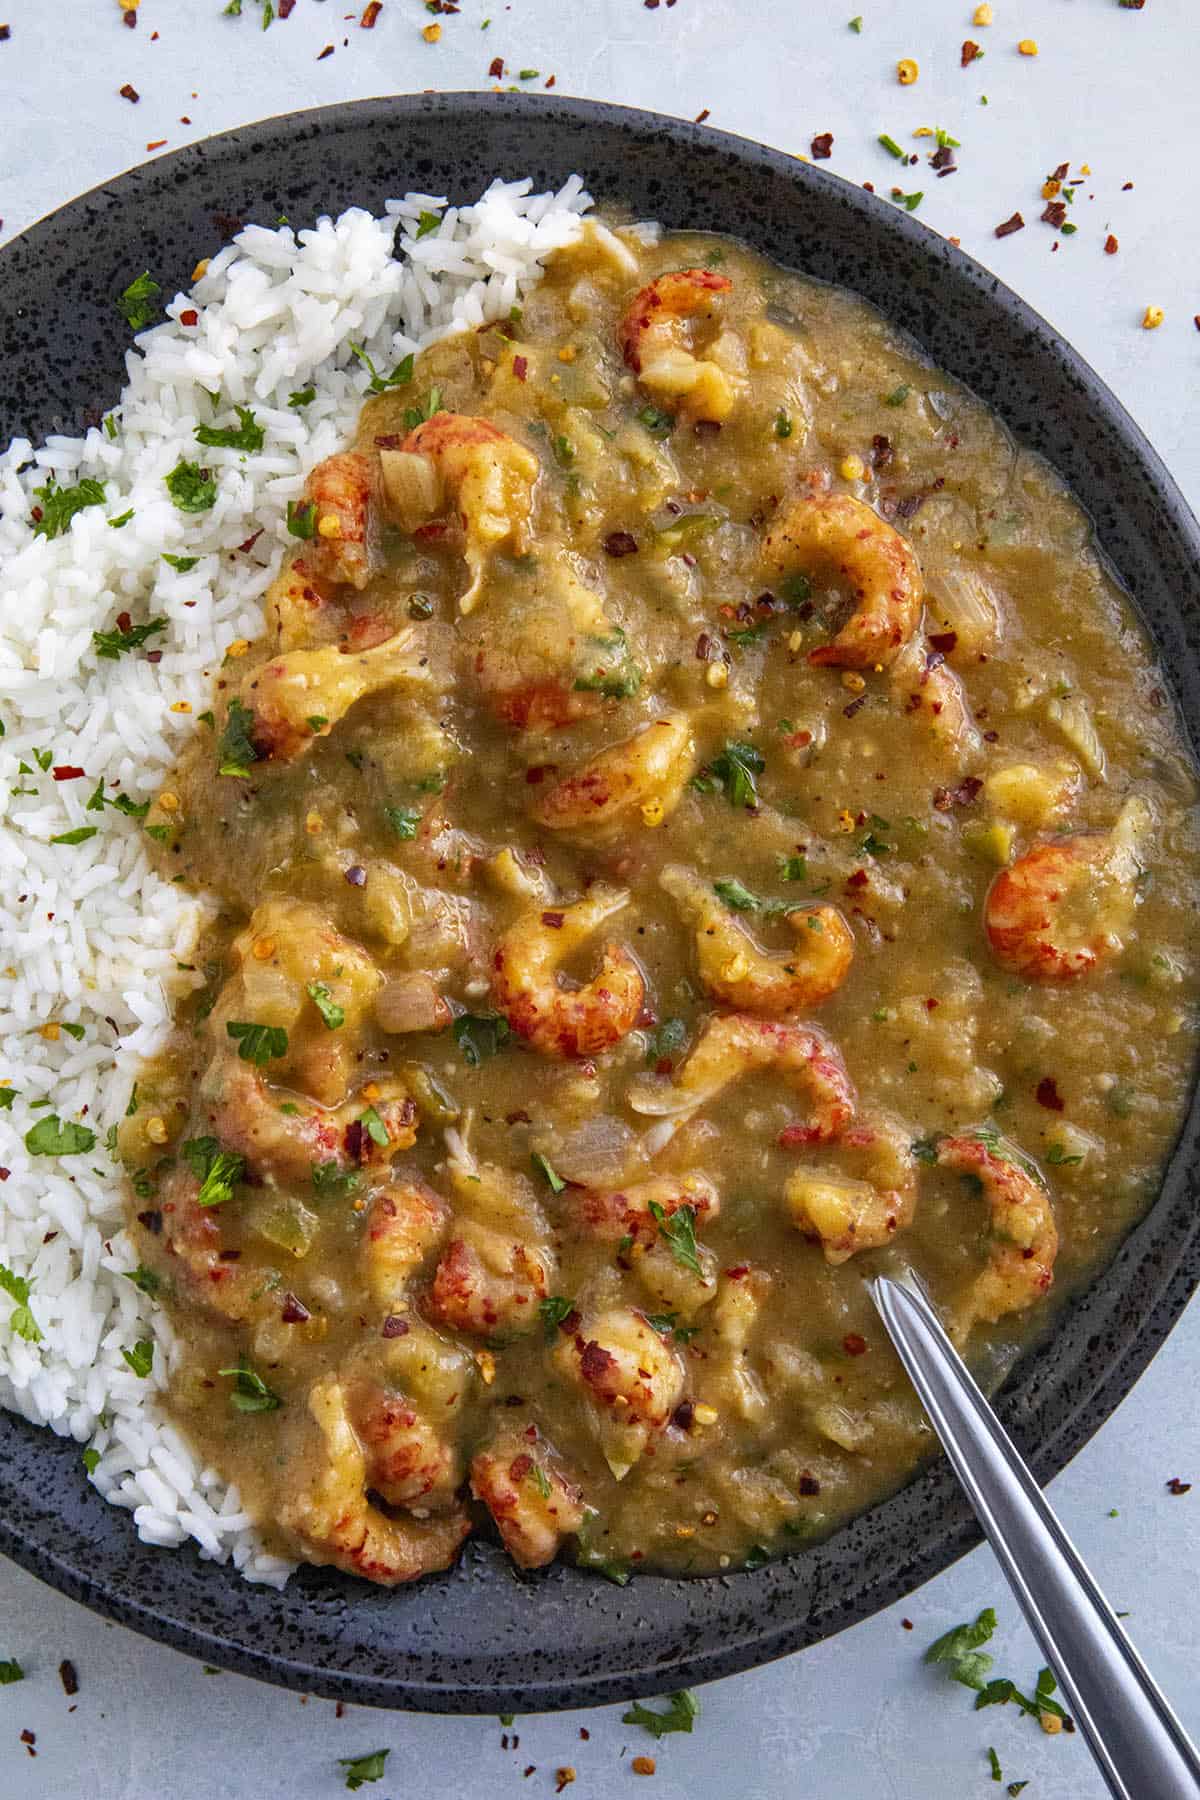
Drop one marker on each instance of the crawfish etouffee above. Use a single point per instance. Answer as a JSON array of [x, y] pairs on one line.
[[702, 825]]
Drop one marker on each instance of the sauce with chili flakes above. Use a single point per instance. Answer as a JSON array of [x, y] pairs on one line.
[[604, 976]]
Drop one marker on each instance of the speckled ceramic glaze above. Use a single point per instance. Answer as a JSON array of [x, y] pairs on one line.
[[482, 1638]]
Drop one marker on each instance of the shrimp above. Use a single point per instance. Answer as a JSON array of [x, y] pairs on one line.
[[343, 492], [296, 600], [531, 1500], [1023, 1235], [614, 1215], [301, 695], [654, 342], [844, 1214], [559, 1021], [330, 1519], [243, 1109], [290, 958], [837, 536], [453, 459], [933, 694], [732, 1045], [408, 1463], [737, 973], [406, 1222], [498, 1263], [191, 1233], [646, 773], [632, 1377], [559, 657], [1059, 911]]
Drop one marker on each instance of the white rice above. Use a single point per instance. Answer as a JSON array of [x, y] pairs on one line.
[[90, 936]]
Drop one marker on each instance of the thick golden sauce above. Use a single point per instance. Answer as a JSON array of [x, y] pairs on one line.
[[498, 1228]]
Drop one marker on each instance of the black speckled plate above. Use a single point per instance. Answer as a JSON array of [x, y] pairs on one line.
[[480, 1639]]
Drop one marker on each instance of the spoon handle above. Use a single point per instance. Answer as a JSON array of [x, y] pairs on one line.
[[1139, 1745]]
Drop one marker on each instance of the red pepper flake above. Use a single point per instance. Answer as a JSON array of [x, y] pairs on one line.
[[906, 1624], [1055, 213], [520, 367], [739, 1272], [189, 316], [294, 1311], [5, 33], [854, 1345], [945, 641], [701, 115], [4, 1174], [1175, 1486], [683, 1415], [157, 144], [250, 542], [1111, 245], [357, 876], [881, 451], [970, 52], [68, 772], [130, 93], [967, 791], [554, 921], [620, 543], [370, 14], [1046, 1094], [854, 706], [553, 78], [183, 119], [496, 68], [29, 1739], [822, 146], [322, 54], [859, 879], [395, 1327], [1126, 186], [69, 1676], [1008, 226], [129, 18], [808, 1485]]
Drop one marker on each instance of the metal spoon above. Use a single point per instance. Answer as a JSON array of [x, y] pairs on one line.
[[1139, 1745]]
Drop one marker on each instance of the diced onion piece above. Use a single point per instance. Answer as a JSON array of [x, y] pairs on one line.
[[599, 1151], [411, 1002], [670, 371], [412, 485], [966, 603], [1074, 721]]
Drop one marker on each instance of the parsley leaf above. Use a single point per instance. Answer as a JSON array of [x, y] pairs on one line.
[[404, 821], [21, 1321], [184, 564], [542, 1166], [79, 835], [191, 488], [140, 1358], [363, 1768], [898, 395], [614, 674], [53, 1136], [137, 303], [236, 750], [334, 1016], [91, 1460], [400, 376], [427, 223], [331, 1181], [659, 424], [793, 868], [58, 505], [112, 644], [664, 1042], [250, 1392], [7, 1096], [736, 897], [218, 1171], [480, 1035], [682, 1709], [553, 1311], [247, 434], [302, 396], [679, 1231], [959, 1650], [144, 1279], [10, 1671], [257, 1043], [733, 771]]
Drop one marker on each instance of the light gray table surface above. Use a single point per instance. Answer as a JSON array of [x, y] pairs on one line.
[[1113, 87]]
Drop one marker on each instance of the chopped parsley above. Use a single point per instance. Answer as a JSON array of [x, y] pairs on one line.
[[564, 451], [682, 1710], [400, 376], [892, 147], [909, 202], [144, 1279], [53, 1136], [21, 1320], [544, 1167], [79, 835], [1003, 1151], [302, 396], [480, 1035], [424, 409], [375, 1128], [10, 1671], [120, 522], [427, 224], [58, 505], [191, 488], [733, 771], [1057, 1157], [658, 423], [958, 1650], [404, 821], [856, 25], [783, 424], [1000, 1691], [994, 1765], [679, 1233], [924, 1149], [236, 751], [7, 1096], [91, 1460], [363, 1768], [302, 518], [112, 644], [591, 1556], [140, 1358], [137, 304], [331, 1181], [183, 564], [247, 434], [793, 868], [615, 674], [257, 1043], [333, 1015], [553, 1311], [250, 1392], [218, 1171], [735, 896], [898, 395], [666, 1040]]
